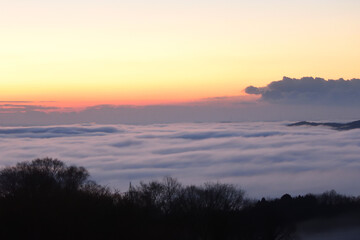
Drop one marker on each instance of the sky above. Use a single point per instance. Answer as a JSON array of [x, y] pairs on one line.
[[73, 54], [265, 159]]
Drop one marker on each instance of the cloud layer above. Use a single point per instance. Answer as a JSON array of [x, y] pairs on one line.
[[310, 90], [266, 159], [255, 111]]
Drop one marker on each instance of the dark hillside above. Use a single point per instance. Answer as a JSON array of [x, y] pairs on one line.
[[336, 126]]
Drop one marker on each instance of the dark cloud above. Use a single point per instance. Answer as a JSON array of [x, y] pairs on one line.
[[52, 132], [223, 134], [253, 90], [205, 135], [309, 90], [16, 101], [176, 150], [126, 143], [15, 107]]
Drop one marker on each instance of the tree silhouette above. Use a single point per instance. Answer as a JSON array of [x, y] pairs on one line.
[[45, 195], [41, 176], [46, 199]]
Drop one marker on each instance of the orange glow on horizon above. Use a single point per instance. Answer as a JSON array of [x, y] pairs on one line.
[[78, 105]]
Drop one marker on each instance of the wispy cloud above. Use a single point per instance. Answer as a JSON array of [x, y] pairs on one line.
[[25, 107], [52, 132]]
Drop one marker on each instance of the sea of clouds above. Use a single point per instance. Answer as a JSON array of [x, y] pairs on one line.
[[264, 158]]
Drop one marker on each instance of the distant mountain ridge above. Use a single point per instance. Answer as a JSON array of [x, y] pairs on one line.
[[336, 126]]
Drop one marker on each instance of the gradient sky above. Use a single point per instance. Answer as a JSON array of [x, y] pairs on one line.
[[149, 52]]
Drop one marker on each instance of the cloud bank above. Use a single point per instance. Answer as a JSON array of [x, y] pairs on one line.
[[266, 159], [256, 111], [309, 90], [310, 99]]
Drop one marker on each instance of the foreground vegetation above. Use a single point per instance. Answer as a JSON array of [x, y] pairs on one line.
[[46, 199]]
